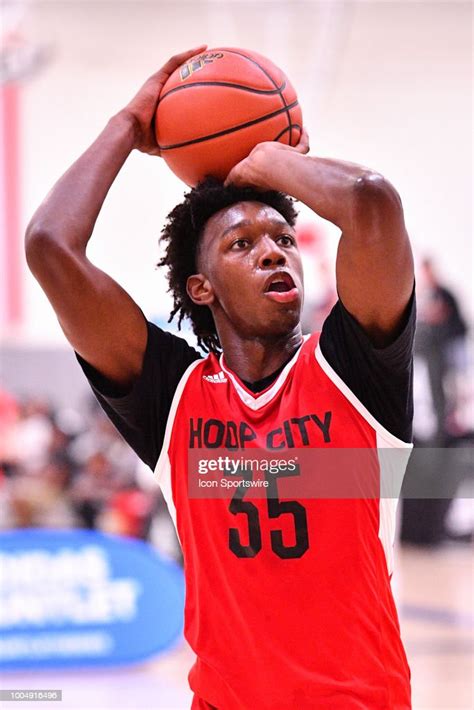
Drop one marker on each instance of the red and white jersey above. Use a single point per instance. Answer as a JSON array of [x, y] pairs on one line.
[[307, 620]]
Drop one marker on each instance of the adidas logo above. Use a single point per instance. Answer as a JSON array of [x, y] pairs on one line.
[[215, 379]]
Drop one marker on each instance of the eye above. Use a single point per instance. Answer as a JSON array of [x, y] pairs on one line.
[[239, 244], [286, 240]]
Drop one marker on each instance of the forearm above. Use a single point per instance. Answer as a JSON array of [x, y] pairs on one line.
[[69, 212], [331, 188]]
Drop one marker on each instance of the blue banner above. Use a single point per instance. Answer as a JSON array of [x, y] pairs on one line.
[[81, 598]]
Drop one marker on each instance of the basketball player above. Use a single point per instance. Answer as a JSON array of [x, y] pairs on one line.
[[288, 601]]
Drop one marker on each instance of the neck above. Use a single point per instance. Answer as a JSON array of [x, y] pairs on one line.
[[253, 358]]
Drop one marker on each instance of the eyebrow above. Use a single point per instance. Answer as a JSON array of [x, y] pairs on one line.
[[248, 223]]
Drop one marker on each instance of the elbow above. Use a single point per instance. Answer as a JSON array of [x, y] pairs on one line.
[[373, 191], [39, 243], [34, 234]]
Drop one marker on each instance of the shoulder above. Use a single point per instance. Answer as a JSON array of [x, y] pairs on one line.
[[166, 357], [163, 342], [342, 336]]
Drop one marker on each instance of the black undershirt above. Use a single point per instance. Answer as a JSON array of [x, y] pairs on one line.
[[381, 378], [260, 385]]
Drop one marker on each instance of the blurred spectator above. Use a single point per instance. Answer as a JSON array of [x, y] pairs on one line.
[[42, 499], [85, 476], [440, 356], [93, 487], [101, 435], [128, 513], [440, 336], [32, 435]]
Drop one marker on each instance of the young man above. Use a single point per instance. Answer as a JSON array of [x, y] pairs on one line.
[[288, 602]]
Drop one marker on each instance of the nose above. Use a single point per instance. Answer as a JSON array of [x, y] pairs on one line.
[[271, 254]]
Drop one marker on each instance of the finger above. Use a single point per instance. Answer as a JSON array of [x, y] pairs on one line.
[[156, 80], [303, 143], [238, 180], [177, 59], [229, 179], [233, 176]]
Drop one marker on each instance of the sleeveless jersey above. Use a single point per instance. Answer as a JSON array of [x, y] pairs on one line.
[[287, 606]]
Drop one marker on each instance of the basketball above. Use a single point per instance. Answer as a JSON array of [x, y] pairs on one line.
[[217, 106]]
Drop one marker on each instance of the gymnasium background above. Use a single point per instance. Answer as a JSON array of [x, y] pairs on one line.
[[384, 84]]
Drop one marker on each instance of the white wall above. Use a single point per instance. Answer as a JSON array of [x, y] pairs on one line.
[[381, 83]]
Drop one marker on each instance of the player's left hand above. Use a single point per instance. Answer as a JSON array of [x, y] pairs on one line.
[[256, 168]]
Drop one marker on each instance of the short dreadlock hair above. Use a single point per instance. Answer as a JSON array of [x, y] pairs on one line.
[[182, 231]]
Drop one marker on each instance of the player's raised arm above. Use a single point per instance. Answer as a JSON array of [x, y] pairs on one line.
[[100, 320], [374, 265]]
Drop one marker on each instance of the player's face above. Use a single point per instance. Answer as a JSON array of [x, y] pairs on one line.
[[249, 254]]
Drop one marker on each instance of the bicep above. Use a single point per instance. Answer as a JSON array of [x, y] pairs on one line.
[[99, 318], [374, 267]]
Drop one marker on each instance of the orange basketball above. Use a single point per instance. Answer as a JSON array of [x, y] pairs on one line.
[[217, 106]]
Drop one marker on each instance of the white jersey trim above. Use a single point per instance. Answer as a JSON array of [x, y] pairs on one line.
[[260, 401], [390, 465], [389, 439], [163, 466], [392, 468]]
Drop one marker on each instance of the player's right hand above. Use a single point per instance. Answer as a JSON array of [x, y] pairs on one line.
[[260, 166], [142, 108]]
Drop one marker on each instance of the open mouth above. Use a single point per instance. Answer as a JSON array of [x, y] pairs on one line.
[[279, 283], [280, 287]]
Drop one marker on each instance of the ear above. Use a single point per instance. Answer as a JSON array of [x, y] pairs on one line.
[[200, 290]]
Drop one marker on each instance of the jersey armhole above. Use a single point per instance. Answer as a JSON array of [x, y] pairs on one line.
[[383, 435], [162, 458]]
